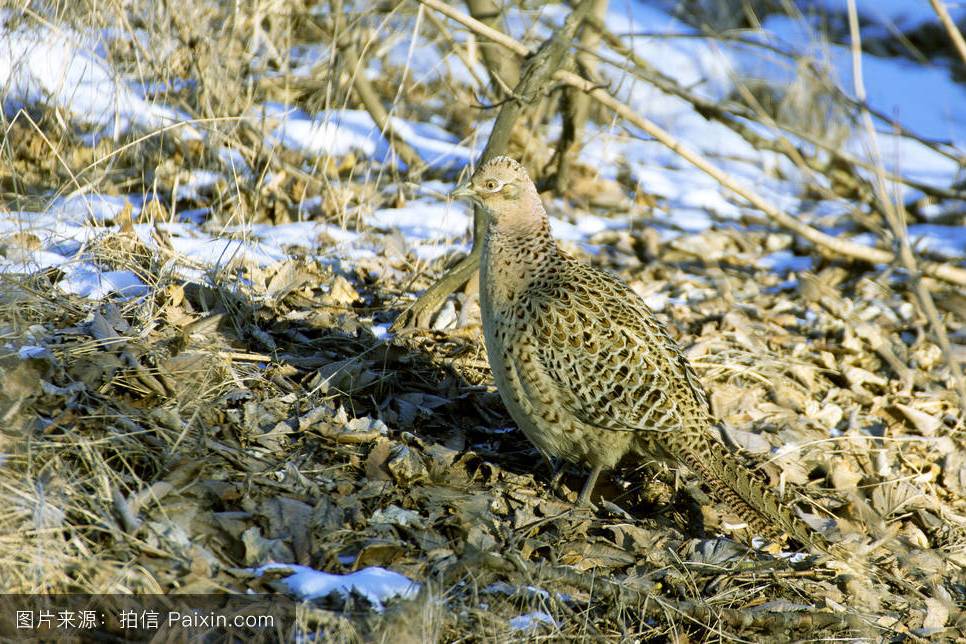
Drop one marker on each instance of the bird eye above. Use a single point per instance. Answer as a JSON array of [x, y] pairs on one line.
[[491, 185]]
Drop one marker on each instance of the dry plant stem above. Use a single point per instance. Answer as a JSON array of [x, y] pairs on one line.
[[372, 103], [536, 78], [368, 96], [835, 245], [576, 104], [951, 28], [478, 27], [504, 70], [895, 218]]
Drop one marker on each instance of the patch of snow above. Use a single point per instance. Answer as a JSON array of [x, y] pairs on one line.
[[374, 583], [340, 234], [300, 234], [924, 98], [434, 189], [531, 621], [909, 158], [87, 280], [303, 59], [27, 352], [432, 252], [585, 226], [950, 208], [340, 132], [690, 60], [196, 216], [29, 261], [234, 161], [680, 186], [686, 219], [60, 67], [216, 252], [423, 220], [94, 207], [198, 181], [946, 241], [785, 285], [657, 302], [783, 262], [380, 331]]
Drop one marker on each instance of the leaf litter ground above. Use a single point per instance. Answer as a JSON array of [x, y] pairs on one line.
[[175, 442]]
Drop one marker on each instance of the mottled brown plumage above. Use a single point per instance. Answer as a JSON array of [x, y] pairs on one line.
[[585, 369]]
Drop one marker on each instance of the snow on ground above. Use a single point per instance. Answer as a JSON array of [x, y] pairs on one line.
[[948, 242], [87, 280], [340, 132], [423, 220], [62, 232], [60, 67], [784, 262], [921, 96], [374, 583]]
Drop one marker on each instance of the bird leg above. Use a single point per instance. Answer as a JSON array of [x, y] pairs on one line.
[[557, 468], [584, 498]]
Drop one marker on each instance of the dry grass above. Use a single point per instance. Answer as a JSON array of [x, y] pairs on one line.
[[169, 443]]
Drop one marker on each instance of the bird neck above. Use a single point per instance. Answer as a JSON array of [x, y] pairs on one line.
[[525, 226], [516, 251], [519, 240]]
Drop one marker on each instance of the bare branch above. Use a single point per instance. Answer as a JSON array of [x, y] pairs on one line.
[[576, 104], [504, 70]]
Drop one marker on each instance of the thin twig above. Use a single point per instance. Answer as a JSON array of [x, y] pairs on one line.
[[954, 34]]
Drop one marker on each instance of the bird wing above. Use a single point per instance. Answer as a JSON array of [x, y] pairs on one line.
[[609, 360]]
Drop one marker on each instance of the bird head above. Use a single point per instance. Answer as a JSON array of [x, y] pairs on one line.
[[503, 188]]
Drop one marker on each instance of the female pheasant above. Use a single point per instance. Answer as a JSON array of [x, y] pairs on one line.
[[585, 369]]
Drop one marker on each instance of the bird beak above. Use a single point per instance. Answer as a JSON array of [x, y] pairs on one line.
[[464, 191]]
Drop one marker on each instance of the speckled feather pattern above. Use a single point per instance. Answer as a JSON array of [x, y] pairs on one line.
[[585, 369]]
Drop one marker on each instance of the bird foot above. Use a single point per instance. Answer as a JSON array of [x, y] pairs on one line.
[[559, 466]]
